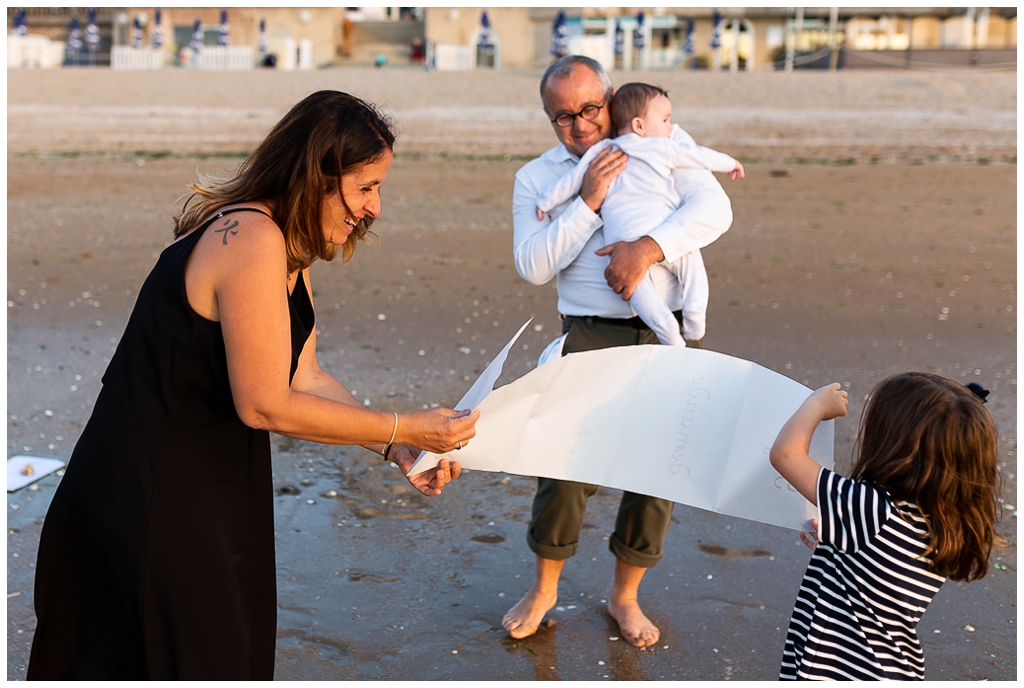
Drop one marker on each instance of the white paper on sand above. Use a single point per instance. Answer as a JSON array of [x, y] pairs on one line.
[[25, 470], [688, 425]]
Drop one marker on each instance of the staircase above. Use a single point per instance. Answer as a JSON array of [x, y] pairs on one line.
[[392, 39]]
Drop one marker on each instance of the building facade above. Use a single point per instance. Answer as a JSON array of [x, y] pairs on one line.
[[748, 38]]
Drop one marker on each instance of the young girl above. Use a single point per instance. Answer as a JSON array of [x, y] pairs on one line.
[[920, 507]]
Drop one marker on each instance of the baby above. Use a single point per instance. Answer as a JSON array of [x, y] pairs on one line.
[[644, 195]]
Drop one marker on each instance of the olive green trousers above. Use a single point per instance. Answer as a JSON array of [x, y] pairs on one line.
[[559, 505]]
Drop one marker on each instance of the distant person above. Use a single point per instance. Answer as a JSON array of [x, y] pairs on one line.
[[346, 35], [920, 506], [593, 279], [416, 54], [156, 559], [645, 195]]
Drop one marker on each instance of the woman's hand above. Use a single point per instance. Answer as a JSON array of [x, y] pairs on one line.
[[429, 483], [438, 430]]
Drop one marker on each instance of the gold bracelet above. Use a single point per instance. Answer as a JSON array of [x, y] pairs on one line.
[[394, 432]]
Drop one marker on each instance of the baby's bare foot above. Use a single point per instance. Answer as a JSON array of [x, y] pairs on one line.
[[524, 619], [636, 628]]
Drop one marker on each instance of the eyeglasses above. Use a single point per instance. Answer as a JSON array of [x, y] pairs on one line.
[[589, 113]]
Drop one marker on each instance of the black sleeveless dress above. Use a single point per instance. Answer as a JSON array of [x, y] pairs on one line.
[[156, 558]]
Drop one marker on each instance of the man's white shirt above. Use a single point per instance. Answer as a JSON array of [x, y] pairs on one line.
[[563, 245]]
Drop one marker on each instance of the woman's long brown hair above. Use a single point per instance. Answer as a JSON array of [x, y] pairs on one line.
[[298, 164], [930, 441]]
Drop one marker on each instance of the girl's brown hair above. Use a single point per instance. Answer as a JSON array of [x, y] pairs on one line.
[[631, 100], [930, 441], [298, 164]]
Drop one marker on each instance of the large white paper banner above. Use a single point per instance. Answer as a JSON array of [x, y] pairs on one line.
[[688, 425]]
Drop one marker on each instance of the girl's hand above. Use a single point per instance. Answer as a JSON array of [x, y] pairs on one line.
[[437, 430], [811, 539], [738, 171], [830, 401], [428, 483]]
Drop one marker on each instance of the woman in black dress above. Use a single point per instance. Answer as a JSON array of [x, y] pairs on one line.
[[156, 558]]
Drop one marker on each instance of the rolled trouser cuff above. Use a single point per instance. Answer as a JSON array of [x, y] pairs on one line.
[[640, 529], [631, 556], [553, 552]]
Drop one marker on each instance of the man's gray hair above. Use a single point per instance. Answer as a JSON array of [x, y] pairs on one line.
[[563, 66]]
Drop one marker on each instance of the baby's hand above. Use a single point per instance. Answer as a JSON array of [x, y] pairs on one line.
[[830, 401], [737, 171], [540, 214]]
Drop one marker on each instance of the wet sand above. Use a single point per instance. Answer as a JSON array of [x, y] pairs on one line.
[[831, 272]]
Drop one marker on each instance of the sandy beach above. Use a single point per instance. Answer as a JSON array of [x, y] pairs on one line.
[[875, 233]]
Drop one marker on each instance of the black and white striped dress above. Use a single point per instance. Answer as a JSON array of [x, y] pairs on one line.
[[864, 590]]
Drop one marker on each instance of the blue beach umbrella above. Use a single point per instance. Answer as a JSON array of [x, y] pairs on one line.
[[619, 38], [691, 38], [197, 37], [262, 42], [559, 36], [638, 33], [136, 33], [156, 36], [75, 37], [716, 31], [92, 32], [20, 28], [485, 43], [225, 29]]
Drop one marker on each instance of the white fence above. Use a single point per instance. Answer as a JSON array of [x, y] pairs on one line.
[[139, 59], [34, 51], [452, 58], [226, 57]]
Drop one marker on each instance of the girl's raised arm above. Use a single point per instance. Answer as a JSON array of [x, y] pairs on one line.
[[790, 453]]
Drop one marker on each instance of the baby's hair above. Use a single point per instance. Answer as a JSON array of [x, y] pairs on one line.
[[930, 441], [631, 100]]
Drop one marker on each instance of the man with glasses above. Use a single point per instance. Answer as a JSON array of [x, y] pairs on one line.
[[569, 245]]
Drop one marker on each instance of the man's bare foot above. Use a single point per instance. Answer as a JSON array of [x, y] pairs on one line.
[[524, 619], [636, 628]]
